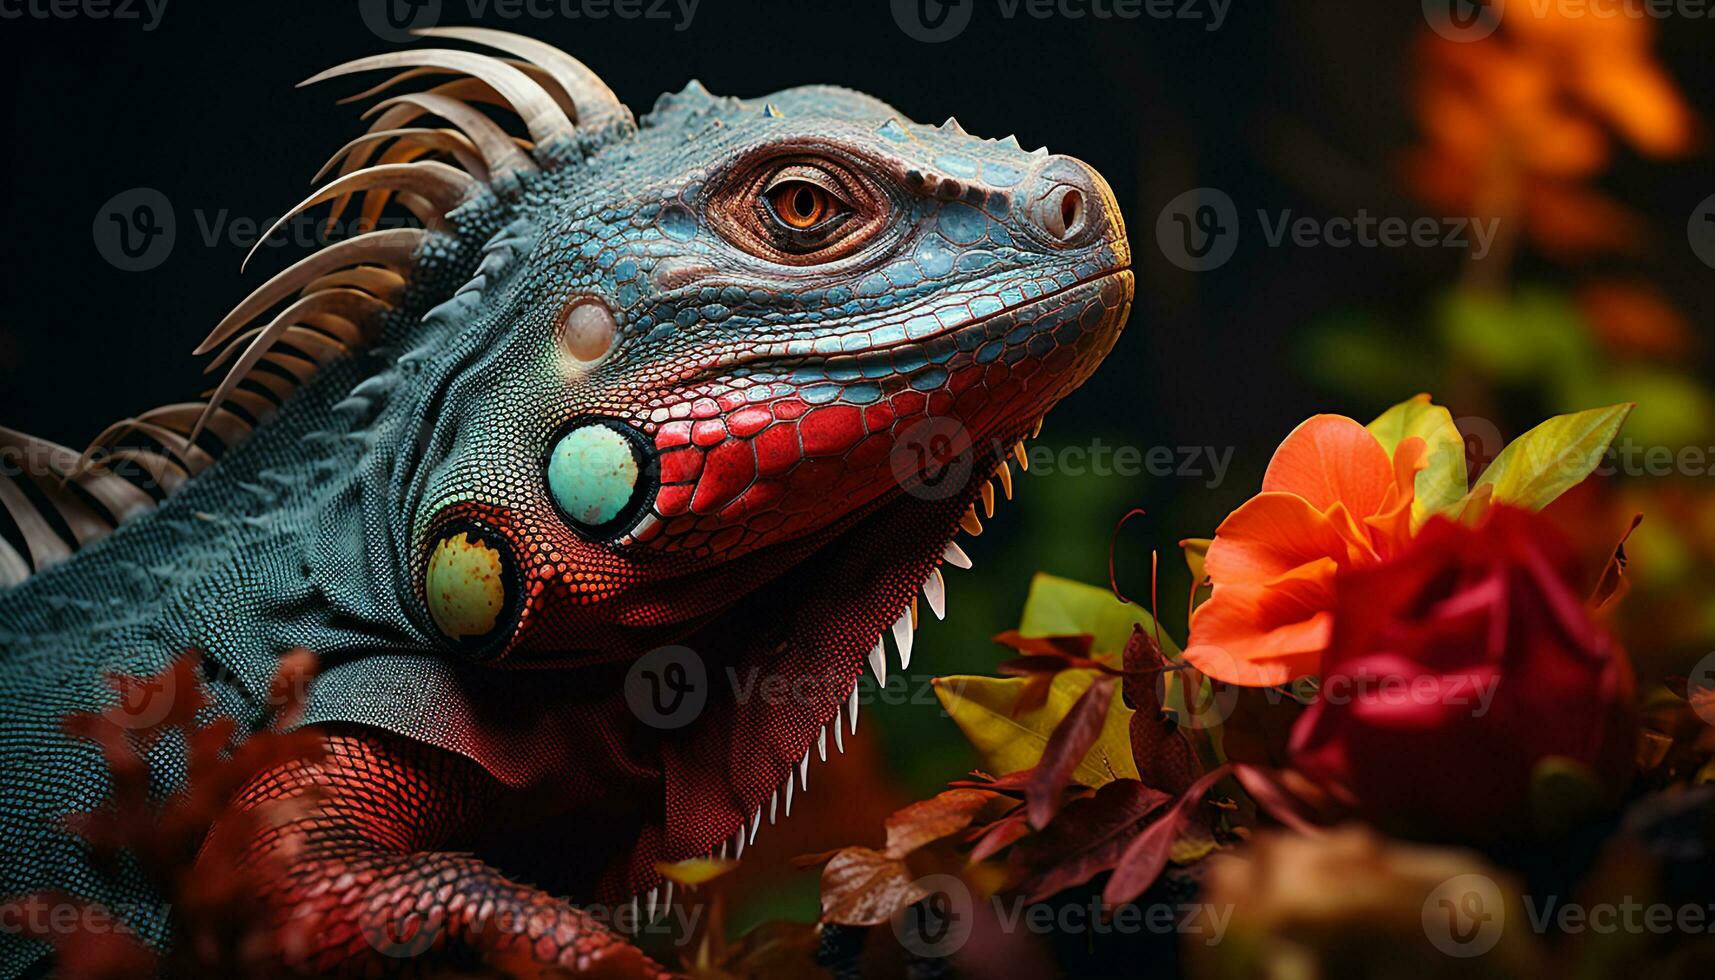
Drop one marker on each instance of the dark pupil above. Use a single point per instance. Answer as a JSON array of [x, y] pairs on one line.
[[804, 202]]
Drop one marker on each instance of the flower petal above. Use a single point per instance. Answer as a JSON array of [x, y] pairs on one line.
[[1273, 533], [1259, 635], [1332, 459]]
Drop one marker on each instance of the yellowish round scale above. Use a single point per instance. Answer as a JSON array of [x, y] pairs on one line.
[[466, 586]]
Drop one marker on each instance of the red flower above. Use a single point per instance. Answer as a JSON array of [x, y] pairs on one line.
[[1454, 669]]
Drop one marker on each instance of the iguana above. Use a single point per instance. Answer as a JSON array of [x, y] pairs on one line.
[[726, 380]]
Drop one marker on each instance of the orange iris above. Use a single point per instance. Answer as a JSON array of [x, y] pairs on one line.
[[801, 204]]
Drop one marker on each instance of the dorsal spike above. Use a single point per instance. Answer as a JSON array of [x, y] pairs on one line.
[[1011, 143], [952, 126], [771, 111]]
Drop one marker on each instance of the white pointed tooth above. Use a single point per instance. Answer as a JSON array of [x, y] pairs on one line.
[[839, 733], [789, 785], [725, 844], [878, 662], [738, 852], [654, 895], [822, 744], [755, 824], [667, 902], [902, 637], [804, 771], [935, 590], [955, 555], [854, 705], [773, 808], [635, 912]]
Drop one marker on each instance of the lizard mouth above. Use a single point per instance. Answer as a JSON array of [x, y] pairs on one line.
[[899, 552]]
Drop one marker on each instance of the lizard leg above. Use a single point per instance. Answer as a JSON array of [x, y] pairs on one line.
[[359, 881]]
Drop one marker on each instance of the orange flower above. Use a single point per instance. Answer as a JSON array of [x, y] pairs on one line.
[[1331, 499]]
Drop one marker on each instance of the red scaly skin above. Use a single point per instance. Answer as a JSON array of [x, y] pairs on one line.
[[369, 889]]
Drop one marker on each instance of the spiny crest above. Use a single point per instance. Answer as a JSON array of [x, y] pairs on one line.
[[334, 301]]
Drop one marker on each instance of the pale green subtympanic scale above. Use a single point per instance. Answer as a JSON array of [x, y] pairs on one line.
[[593, 474]]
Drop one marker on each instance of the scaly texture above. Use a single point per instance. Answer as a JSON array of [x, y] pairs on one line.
[[728, 378]]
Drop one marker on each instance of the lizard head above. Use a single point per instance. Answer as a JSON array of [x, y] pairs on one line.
[[737, 335]]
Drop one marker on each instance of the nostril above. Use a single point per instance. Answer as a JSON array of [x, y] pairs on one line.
[[1067, 203]]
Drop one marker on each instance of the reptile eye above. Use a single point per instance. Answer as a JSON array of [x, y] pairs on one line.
[[801, 205], [799, 210]]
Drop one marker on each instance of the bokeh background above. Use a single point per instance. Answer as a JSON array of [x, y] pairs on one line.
[[1587, 140]]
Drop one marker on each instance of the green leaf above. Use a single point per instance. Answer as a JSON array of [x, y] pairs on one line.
[[1441, 484], [982, 707], [1060, 606], [1554, 457]]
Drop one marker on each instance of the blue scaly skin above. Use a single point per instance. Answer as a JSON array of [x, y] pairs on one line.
[[731, 378]]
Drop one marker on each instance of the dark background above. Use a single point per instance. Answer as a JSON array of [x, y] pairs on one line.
[[1302, 106]]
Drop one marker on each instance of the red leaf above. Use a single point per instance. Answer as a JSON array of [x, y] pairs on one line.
[[1283, 795], [1069, 646], [1087, 837], [1012, 782], [933, 819], [1066, 747], [1034, 694], [1147, 854], [998, 835], [1613, 578], [1164, 756]]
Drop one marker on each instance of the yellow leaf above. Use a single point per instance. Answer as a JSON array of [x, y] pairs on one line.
[[1441, 484], [694, 871], [1196, 553], [1553, 458], [1061, 607], [982, 708]]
